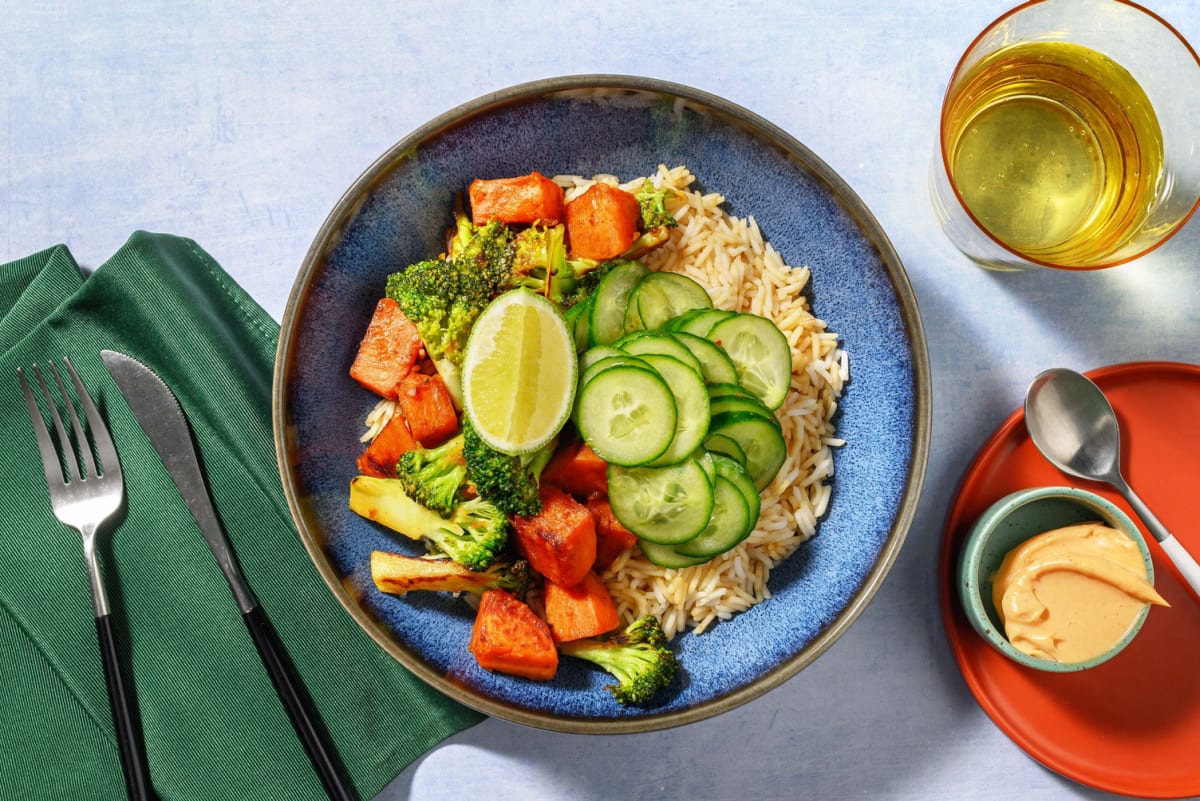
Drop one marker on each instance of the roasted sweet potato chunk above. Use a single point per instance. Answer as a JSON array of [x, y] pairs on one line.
[[527, 199], [508, 637], [387, 351]]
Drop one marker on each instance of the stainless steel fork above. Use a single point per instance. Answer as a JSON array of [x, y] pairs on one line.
[[86, 490]]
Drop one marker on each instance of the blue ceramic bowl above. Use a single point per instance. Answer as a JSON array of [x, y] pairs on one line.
[[1005, 525], [396, 213]]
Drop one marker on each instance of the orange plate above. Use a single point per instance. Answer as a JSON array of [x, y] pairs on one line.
[[1132, 725]]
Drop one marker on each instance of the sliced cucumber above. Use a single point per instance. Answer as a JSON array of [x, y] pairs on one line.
[[640, 343], [600, 361], [759, 438], [698, 321], [631, 321], [595, 354], [626, 414], [730, 523], [618, 359], [578, 319], [736, 473], [720, 390], [733, 403], [715, 364], [719, 444], [660, 297], [706, 462], [663, 505], [691, 406], [608, 304], [761, 354], [667, 556], [675, 322]]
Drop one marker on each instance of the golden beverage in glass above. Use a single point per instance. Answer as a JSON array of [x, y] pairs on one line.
[[1069, 137]]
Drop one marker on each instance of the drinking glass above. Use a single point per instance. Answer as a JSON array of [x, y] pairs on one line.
[[1069, 137]]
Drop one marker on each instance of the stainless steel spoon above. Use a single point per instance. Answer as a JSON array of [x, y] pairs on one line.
[[1075, 428]]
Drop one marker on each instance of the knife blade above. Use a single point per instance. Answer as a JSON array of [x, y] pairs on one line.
[[160, 416], [158, 412]]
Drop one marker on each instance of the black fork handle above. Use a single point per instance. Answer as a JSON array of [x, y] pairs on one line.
[[129, 741], [299, 710]]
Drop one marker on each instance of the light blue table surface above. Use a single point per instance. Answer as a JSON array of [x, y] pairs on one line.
[[239, 125]]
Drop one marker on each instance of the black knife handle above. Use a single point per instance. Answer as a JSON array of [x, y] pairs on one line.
[[299, 710], [129, 741]]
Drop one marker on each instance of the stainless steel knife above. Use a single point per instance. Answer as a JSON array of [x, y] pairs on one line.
[[160, 416]]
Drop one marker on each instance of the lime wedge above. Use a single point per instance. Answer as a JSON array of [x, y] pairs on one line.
[[519, 372]]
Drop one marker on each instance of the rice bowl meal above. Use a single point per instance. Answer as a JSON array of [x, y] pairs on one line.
[[645, 565], [689, 458]]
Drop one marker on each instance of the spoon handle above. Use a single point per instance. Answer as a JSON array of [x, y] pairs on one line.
[[1184, 562]]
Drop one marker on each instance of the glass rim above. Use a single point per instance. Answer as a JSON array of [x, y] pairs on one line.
[[958, 69]]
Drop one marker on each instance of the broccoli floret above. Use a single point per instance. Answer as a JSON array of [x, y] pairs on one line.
[[534, 258], [397, 574], [638, 657], [657, 222], [486, 250], [540, 262], [509, 482], [473, 535], [435, 477], [654, 206], [442, 297], [477, 534]]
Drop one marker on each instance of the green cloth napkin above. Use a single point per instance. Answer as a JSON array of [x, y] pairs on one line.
[[213, 726]]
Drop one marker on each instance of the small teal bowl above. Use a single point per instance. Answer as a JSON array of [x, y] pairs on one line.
[[1005, 525]]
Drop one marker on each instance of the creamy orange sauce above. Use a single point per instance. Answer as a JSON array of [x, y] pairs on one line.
[[1072, 593]]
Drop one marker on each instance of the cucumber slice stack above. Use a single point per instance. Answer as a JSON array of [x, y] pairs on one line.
[[679, 398]]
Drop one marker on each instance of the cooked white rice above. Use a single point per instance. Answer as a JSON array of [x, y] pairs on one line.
[[743, 273], [378, 417]]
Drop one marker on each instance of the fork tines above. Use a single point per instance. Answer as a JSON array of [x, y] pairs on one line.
[[79, 444]]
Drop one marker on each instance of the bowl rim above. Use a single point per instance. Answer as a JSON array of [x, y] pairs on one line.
[[729, 113], [970, 591]]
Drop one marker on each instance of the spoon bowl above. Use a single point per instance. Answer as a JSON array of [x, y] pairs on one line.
[[1072, 423]]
